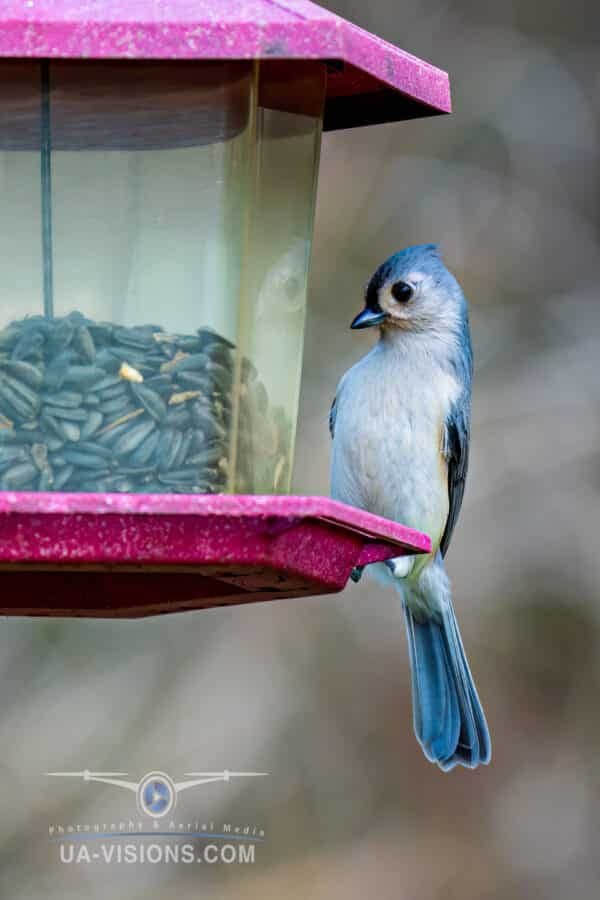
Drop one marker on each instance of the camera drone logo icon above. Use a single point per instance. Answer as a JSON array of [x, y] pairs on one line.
[[156, 792]]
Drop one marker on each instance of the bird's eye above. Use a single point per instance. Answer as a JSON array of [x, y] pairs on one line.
[[401, 291]]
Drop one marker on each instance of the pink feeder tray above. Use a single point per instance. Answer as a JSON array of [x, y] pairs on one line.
[[130, 555]]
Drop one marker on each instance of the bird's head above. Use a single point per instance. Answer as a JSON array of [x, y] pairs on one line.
[[413, 291]]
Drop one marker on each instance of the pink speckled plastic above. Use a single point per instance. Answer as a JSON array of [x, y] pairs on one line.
[[135, 555], [220, 29]]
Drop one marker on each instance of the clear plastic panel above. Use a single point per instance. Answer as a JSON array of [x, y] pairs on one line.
[[160, 224], [274, 283], [148, 191], [20, 198]]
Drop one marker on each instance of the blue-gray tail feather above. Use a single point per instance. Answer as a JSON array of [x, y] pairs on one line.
[[448, 718]]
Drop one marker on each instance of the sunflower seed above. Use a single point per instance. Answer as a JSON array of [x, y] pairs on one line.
[[30, 435], [18, 398], [219, 353], [208, 336], [164, 444], [173, 449], [194, 381], [46, 480], [92, 424], [29, 346], [10, 455], [92, 486], [133, 437], [121, 421], [94, 447], [184, 449], [65, 412], [59, 337], [108, 360], [219, 375], [178, 417], [84, 343], [118, 406], [18, 477], [120, 484], [176, 476], [206, 457], [9, 337], [83, 377], [189, 343], [101, 331], [148, 469], [153, 404], [83, 459], [26, 372], [110, 381], [202, 419], [53, 443], [62, 476], [133, 337], [155, 487], [196, 362], [56, 374], [70, 431], [68, 399], [145, 451], [162, 384]]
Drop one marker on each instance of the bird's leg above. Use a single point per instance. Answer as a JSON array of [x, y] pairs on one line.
[[400, 566]]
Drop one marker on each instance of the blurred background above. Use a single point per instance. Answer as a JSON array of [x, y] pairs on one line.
[[316, 692]]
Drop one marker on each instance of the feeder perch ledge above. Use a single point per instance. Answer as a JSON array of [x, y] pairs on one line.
[[139, 555]]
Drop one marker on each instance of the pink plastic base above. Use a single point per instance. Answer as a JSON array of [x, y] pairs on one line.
[[130, 555]]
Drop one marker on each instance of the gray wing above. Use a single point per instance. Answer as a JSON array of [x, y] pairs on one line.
[[334, 405], [356, 573], [456, 452], [332, 413]]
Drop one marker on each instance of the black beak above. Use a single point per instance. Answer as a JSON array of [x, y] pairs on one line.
[[368, 317]]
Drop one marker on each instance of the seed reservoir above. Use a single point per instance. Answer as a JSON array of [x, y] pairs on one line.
[[157, 220]]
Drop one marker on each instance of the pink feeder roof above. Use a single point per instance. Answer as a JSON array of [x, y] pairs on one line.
[[369, 80]]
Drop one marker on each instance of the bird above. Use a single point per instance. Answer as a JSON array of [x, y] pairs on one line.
[[400, 424]]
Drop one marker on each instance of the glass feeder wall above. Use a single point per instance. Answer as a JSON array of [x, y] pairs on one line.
[[156, 223]]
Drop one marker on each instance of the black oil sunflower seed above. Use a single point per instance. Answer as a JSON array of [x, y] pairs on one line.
[[19, 477], [95, 406]]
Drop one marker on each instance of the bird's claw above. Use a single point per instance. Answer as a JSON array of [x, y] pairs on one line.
[[356, 573]]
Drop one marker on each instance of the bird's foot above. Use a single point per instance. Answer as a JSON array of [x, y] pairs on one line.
[[356, 573], [400, 566]]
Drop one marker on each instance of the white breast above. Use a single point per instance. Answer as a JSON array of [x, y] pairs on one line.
[[387, 445]]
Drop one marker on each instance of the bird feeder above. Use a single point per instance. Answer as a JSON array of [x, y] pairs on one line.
[[158, 167]]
